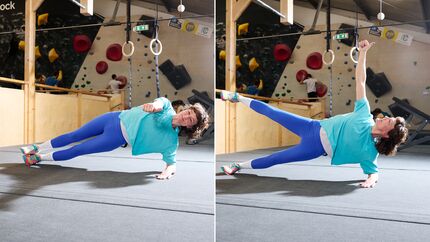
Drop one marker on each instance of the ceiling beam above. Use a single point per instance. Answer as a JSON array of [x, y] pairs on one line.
[[364, 9], [314, 3], [426, 13], [167, 5]]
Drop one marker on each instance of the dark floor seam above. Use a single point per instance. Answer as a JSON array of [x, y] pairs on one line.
[[321, 213], [107, 203]]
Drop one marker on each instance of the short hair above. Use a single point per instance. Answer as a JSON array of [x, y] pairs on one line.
[[113, 76]]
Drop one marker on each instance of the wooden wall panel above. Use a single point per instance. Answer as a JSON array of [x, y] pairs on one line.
[[55, 114], [220, 126], [254, 131], [92, 108], [12, 116]]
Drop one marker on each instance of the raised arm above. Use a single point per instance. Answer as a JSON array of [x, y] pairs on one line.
[[360, 70], [153, 107]]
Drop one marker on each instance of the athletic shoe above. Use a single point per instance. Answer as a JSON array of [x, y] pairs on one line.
[[230, 169], [231, 96], [31, 159], [29, 150]]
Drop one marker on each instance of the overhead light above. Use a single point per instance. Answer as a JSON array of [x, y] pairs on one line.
[[181, 7], [380, 15]]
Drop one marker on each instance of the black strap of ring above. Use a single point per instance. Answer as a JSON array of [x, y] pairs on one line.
[[155, 36], [328, 36], [356, 26], [128, 28]]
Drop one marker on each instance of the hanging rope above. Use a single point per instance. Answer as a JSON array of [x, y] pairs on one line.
[[156, 53], [355, 48], [130, 76], [329, 50], [130, 73]]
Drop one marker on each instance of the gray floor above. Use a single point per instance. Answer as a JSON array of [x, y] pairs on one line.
[[313, 201], [108, 197]]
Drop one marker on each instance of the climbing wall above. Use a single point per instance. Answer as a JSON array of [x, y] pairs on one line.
[[60, 14], [182, 48], [404, 66], [260, 22]]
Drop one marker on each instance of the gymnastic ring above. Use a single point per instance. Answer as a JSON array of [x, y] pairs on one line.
[[351, 54], [152, 50], [132, 49], [332, 57]]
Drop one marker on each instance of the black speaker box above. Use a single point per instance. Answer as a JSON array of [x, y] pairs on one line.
[[150, 21], [379, 84], [179, 77], [346, 28], [369, 73], [167, 67], [398, 111]]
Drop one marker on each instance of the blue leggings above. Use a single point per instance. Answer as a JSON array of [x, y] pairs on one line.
[[108, 136], [310, 146]]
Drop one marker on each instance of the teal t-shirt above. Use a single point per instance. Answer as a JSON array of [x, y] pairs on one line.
[[350, 137], [152, 132]]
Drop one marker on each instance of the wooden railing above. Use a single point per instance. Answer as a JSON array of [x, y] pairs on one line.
[[8, 80], [53, 89]]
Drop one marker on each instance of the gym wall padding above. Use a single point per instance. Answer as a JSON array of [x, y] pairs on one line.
[[12, 118], [255, 131], [192, 51]]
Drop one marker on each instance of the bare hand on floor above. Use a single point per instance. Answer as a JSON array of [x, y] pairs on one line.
[[168, 172]]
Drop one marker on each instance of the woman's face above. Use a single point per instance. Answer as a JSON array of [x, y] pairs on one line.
[[187, 118], [385, 124]]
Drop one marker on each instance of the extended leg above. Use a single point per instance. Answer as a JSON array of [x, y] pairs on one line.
[[101, 143], [295, 123], [90, 129], [310, 147], [299, 152]]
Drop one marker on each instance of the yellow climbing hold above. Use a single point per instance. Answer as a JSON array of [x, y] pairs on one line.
[[260, 85], [37, 52], [243, 29], [253, 64], [60, 75], [238, 63], [52, 55], [42, 19], [21, 45], [221, 55]]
